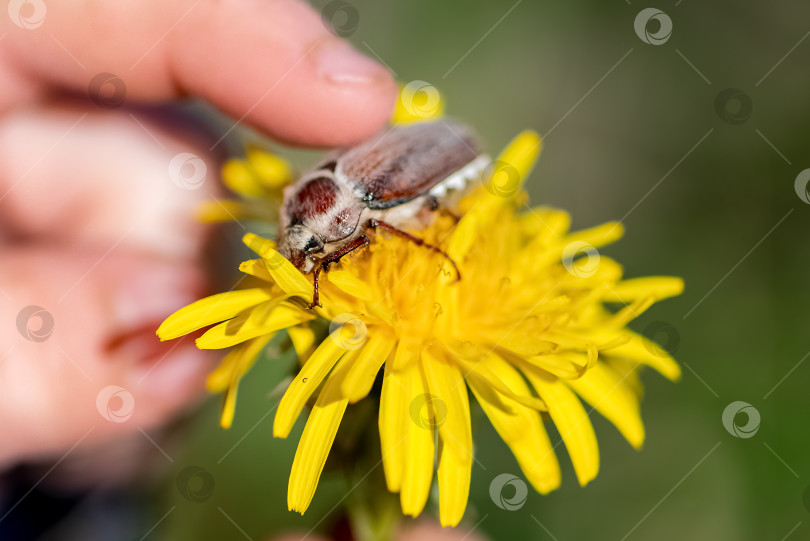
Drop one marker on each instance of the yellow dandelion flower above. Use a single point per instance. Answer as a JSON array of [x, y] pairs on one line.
[[526, 330]]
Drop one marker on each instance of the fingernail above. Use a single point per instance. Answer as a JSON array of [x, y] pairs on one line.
[[340, 63]]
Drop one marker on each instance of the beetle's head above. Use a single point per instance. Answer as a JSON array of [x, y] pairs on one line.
[[301, 246]]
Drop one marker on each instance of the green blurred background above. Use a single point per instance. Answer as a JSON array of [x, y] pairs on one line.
[[632, 131]]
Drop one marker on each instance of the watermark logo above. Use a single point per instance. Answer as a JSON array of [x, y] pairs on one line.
[[653, 26], [187, 171], [428, 411], [664, 338], [348, 331], [35, 323], [341, 18], [107, 90], [580, 259], [501, 179], [800, 185], [420, 99], [27, 14], [274, 260], [195, 484], [733, 106], [510, 499], [115, 404], [731, 419]]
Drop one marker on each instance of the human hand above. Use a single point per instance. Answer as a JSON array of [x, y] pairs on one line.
[[92, 228]]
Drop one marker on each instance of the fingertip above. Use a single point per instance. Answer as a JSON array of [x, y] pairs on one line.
[[286, 75], [346, 97]]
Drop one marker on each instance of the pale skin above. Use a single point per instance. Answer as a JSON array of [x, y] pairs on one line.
[[91, 227]]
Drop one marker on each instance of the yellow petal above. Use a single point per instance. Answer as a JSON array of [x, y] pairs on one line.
[[420, 448], [211, 310], [600, 235], [303, 341], [572, 421], [521, 153], [485, 370], [463, 237], [520, 426], [283, 272], [237, 175], [454, 485], [630, 312], [349, 283], [452, 408], [316, 441], [549, 222], [522, 430], [256, 268], [271, 171], [246, 356], [643, 350], [657, 287], [393, 422], [305, 383], [606, 391], [264, 319], [219, 379], [524, 341], [258, 244], [361, 376], [569, 366]]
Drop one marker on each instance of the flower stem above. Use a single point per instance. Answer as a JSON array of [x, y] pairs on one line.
[[373, 518]]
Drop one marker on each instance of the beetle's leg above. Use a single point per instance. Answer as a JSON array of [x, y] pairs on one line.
[[416, 240], [335, 256], [315, 290]]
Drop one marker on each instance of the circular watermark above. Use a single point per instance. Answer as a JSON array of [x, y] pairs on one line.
[[420, 99], [107, 90], [115, 404], [275, 260], [800, 185], [348, 331], [733, 106], [506, 500], [501, 179], [195, 484], [664, 338], [27, 14], [428, 411], [731, 417], [648, 19], [341, 18], [35, 323], [188, 171], [582, 267]]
